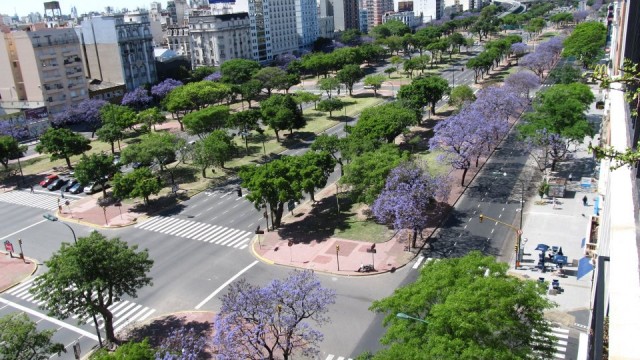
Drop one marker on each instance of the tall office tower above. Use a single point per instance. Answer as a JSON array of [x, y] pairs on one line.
[[119, 49], [273, 28], [307, 22], [215, 39], [345, 13], [376, 10], [41, 68], [178, 12]]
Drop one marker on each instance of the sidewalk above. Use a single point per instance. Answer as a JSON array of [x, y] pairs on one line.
[[14, 270]]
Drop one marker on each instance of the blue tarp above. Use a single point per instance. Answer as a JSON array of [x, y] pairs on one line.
[[584, 267]]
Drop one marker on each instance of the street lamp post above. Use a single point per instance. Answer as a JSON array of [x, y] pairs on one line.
[[405, 316], [75, 241]]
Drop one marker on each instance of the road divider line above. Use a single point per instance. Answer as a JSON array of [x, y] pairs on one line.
[[50, 319], [225, 284], [23, 229]]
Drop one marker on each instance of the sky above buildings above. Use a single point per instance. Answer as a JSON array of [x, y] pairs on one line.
[[24, 7]]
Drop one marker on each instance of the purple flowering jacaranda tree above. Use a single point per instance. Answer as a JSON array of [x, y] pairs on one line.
[[547, 149], [214, 76], [185, 343], [522, 82], [138, 99], [273, 322], [86, 111], [161, 89], [410, 198], [538, 62], [519, 49], [456, 138]]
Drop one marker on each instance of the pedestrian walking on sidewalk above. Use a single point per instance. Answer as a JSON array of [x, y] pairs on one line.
[[31, 187], [570, 177], [584, 200]]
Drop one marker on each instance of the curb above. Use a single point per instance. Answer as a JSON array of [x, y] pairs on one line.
[[33, 261]]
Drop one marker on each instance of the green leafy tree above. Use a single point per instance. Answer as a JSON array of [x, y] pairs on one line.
[[96, 168], [350, 37], [194, 96], [214, 150], [330, 144], [393, 44], [250, 90], [140, 182], [110, 133], [460, 95], [349, 75], [238, 71], [586, 42], [366, 174], [274, 183], [422, 92], [281, 112], [202, 72], [315, 169], [467, 308], [120, 115], [560, 110], [21, 340], [565, 74], [160, 148], [375, 82], [62, 144], [246, 121], [204, 121], [330, 105], [390, 70], [383, 122], [9, 149], [329, 85], [151, 117], [271, 77], [303, 97], [86, 278]]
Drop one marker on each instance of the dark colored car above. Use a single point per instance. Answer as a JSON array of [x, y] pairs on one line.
[[76, 188], [56, 184], [69, 184], [48, 180]]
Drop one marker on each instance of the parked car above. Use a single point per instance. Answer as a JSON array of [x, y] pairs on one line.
[[116, 159], [56, 184], [69, 184], [93, 187], [76, 188], [48, 180]]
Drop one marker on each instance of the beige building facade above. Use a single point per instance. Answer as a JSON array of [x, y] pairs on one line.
[[214, 39], [41, 68]]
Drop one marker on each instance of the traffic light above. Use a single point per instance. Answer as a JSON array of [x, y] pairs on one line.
[[481, 217], [239, 191]]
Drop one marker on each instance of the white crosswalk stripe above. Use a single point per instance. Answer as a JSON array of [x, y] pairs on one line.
[[26, 198], [213, 234], [336, 357], [124, 312], [561, 342]]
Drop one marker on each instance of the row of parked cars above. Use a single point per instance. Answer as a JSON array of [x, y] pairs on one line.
[[54, 182]]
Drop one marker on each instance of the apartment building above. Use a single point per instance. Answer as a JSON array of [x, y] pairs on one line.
[[179, 39], [119, 49], [429, 10], [345, 13], [41, 68], [273, 28], [307, 22], [215, 39], [376, 10]]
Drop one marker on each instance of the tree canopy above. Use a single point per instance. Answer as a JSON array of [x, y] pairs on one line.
[[62, 144], [281, 112], [9, 149], [206, 120], [87, 277], [472, 309], [586, 42], [424, 91], [95, 168], [21, 340], [140, 182], [383, 122]]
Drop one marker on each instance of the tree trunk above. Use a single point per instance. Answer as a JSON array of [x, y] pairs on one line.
[[203, 172], [181, 126], [246, 144], [277, 138], [107, 316], [276, 221], [66, 158], [113, 147], [415, 237], [464, 174]]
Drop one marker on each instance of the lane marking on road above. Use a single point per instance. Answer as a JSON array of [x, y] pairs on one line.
[[479, 204], [499, 216], [492, 230], [469, 220], [502, 209], [24, 228], [225, 284], [50, 319], [465, 227], [418, 262], [475, 211]]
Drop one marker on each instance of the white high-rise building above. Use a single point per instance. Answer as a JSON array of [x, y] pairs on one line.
[[306, 22], [429, 9], [273, 28], [215, 39]]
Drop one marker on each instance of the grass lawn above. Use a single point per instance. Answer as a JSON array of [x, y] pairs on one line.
[[42, 163], [367, 231]]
